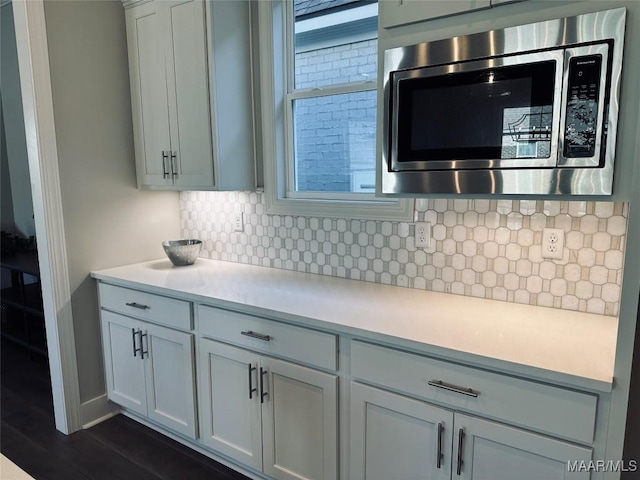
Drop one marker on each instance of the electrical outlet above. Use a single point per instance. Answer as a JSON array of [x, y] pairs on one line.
[[552, 243], [238, 224], [422, 234]]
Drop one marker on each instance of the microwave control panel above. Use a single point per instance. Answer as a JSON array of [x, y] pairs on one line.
[[582, 106]]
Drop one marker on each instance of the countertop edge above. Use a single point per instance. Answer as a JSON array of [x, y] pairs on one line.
[[529, 372]]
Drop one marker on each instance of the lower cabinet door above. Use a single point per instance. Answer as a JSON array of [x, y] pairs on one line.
[[300, 422], [229, 402], [169, 377], [485, 450], [396, 437], [123, 362]]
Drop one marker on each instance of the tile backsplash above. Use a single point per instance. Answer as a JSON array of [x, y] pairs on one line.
[[479, 248]]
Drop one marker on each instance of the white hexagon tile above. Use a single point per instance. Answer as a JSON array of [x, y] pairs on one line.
[[479, 248]]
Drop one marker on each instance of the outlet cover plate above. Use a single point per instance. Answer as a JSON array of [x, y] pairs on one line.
[[422, 234], [238, 223], [553, 243]]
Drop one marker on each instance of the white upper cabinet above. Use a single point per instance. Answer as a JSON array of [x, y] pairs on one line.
[[185, 44], [394, 13], [401, 12], [173, 93]]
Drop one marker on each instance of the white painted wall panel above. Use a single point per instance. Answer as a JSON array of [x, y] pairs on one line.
[[107, 220]]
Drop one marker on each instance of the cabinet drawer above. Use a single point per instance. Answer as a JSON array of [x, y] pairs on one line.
[[557, 411], [146, 306], [279, 339]]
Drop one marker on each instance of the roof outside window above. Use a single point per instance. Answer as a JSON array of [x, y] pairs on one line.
[[311, 8]]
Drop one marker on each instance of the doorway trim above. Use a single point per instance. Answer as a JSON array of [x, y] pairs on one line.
[[42, 150]]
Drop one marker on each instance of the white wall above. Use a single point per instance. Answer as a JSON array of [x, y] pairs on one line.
[[108, 222], [17, 164]]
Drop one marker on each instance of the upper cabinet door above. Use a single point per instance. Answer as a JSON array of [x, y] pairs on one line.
[[401, 12], [188, 90], [149, 101], [191, 76], [170, 93]]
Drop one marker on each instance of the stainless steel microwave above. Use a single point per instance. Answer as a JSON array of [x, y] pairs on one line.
[[527, 110]]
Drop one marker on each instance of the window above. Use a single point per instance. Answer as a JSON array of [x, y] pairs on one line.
[[318, 61], [527, 149]]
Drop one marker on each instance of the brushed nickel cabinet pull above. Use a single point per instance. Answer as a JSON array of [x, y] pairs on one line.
[[133, 337], [142, 350], [252, 390], [165, 170], [139, 306], [453, 388], [174, 164], [460, 461], [259, 336], [439, 453], [262, 392]]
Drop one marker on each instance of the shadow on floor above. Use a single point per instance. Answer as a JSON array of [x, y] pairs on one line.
[[118, 448]]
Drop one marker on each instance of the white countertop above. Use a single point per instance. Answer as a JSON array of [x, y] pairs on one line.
[[559, 346]]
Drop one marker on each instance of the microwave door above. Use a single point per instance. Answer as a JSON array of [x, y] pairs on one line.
[[489, 114]]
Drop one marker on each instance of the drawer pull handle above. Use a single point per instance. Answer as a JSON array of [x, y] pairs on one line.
[[259, 336], [460, 461], [251, 387], [139, 306], [440, 454], [453, 388]]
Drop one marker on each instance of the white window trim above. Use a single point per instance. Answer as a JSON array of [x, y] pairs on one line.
[[277, 144]]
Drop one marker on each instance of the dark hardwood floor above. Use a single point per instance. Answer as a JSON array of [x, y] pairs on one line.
[[118, 448]]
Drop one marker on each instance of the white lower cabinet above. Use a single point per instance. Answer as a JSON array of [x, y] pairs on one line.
[[150, 370], [393, 436], [274, 416], [417, 417], [485, 450], [268, 399]]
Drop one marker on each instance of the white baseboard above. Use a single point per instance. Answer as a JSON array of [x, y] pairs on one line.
[[97, 410]]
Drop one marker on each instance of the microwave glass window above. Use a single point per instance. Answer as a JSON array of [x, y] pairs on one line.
[[497, 113], [526, 126]]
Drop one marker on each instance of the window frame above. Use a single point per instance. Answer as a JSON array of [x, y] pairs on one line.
[[276, 49]]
